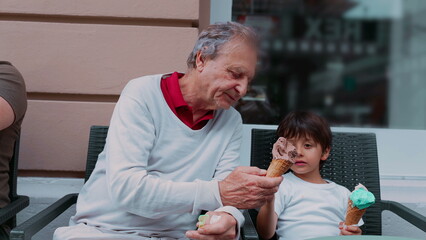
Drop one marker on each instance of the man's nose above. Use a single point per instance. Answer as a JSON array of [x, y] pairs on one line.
[[242, 88]]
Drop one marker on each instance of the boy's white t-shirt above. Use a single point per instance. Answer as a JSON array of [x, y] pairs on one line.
[[308, 210]]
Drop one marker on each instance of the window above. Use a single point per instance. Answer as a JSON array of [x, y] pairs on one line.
[[356, 62]]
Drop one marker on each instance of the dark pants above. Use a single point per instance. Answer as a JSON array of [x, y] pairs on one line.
[[4, 232]]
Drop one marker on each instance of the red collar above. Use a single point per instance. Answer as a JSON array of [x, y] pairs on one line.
[[174, 98]]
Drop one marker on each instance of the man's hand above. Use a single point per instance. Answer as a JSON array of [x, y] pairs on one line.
[[247, 187], [224, 228], [349, 230]]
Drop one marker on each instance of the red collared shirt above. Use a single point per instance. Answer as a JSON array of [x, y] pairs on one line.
[[173, 96]]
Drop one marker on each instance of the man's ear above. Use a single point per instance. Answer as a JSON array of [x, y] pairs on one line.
[[200, 61], [325, 154]]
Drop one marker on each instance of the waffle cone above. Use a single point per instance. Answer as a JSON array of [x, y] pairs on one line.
[[353, 214], [278, 167]]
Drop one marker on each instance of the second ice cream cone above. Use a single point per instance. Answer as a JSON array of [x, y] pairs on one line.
[[278, 167], [359, 200], [353, 214]]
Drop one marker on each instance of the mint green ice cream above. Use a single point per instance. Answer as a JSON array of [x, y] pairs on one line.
[[362, 198]]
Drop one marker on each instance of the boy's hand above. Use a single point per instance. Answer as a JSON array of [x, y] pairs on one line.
[[349, 230]]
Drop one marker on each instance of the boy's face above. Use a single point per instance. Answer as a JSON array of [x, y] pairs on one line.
[[307, 162]]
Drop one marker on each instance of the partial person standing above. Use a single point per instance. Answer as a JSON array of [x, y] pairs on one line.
[[172, 150], [13, 105]]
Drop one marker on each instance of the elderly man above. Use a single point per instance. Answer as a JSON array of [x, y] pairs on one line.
[[173, 148], [13, 105]]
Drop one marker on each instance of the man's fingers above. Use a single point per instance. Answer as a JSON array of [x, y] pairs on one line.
[[198, 236], [269, 198], [269, 182], [262, 172], [266, 192], [207, 229], [191, 234], [251, 170]]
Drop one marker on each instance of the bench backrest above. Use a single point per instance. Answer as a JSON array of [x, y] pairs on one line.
[[97, 140], [13, 172]]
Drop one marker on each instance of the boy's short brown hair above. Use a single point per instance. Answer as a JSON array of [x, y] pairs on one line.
[[306, 124]]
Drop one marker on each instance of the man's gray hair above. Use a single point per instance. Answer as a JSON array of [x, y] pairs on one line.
[[215, 36]]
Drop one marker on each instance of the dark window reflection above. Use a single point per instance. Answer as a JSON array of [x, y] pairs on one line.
[[316, 57]]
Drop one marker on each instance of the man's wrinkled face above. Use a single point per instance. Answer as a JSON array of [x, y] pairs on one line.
[[225, 79]]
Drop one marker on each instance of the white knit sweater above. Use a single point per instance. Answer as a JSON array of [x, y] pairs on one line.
[[156, 174]]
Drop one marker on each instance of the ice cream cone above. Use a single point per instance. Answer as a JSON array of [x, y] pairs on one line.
[[359, 200], [353, 214], [278, 167]]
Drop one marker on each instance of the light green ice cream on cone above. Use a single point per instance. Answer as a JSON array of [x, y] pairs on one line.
[[361, 197], [359, 200]]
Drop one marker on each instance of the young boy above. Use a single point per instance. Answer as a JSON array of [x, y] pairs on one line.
[[306, 205]]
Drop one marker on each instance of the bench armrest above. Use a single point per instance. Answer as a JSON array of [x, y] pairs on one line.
[[405, 213], [248, 230], [30, 227], [13, 208]]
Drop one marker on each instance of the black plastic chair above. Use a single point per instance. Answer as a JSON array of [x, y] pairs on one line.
[[353, 159], [33, 225], [17, 202]]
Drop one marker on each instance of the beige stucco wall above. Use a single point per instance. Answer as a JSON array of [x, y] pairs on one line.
[[76, 57]]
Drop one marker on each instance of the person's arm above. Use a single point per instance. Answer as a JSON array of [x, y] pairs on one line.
[[247, 188], [7, 115], [13, 96], [242, 187], [131, 138], [267, 220], [230, 159], [239, 187]]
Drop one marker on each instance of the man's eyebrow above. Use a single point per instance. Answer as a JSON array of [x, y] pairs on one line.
[[241, 70], [237, 69]]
